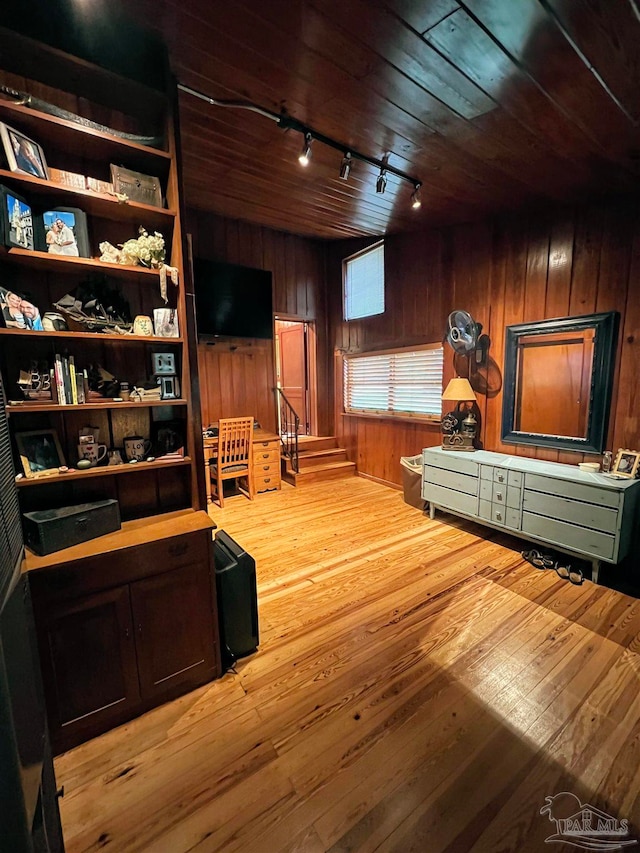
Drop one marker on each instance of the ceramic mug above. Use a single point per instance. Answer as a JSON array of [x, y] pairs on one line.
[[92, 451], [136, 447]]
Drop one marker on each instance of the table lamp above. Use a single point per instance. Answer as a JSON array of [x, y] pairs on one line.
[[458, 433]]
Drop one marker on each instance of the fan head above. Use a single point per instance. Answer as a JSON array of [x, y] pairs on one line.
[[463, 332]]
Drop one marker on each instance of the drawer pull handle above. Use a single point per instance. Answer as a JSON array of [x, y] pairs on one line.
[[265, 467], [265, 455], [499, 516], [267, 479], [498, 496], [501, 478], [178, 549]]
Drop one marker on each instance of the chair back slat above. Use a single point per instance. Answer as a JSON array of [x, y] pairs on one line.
[[235, 436]]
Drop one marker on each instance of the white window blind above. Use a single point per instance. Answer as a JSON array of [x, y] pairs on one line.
[[404, 382], [363, 276]]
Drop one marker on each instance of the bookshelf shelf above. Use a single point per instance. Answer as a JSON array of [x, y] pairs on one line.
[[97, 337], [107, 471], [29, 408]]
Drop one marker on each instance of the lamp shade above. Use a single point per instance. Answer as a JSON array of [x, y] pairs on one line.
[[459, 390]]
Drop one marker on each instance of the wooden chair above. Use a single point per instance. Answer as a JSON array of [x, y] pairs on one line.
[[235, 455]]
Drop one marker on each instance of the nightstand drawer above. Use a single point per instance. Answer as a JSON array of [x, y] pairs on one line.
[[266, 469], [264, 457], [265, 484]]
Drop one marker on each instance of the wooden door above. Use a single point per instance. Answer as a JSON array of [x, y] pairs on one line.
[[293, 368], [89, 664], [174, 628]]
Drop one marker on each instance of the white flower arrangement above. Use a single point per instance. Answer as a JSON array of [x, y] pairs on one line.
[[147, 250]]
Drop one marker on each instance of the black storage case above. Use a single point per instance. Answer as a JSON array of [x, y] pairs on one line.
[[237, 599], [49, 530]]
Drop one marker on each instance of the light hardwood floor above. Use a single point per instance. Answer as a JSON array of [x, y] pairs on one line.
[[419, 687]]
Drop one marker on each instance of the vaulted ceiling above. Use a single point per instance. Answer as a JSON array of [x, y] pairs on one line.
[[494, 105]]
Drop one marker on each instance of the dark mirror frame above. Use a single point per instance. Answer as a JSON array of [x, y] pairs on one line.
[[606, 328]]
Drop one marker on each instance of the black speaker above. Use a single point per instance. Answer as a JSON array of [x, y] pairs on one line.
[[237, 599]]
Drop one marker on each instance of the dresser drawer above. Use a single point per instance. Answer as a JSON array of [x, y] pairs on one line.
[[448, 498], [590, 542], [451, 463], [514, 478], [268, 482], [498, 514], [569, 489], [585, 514], [451, 480], [506, 495], [265, 456]]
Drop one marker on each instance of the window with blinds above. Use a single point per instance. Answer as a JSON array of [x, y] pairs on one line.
[[363, 283], [397, 383]]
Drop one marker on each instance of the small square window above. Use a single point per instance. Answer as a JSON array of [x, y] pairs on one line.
[[363, 278]]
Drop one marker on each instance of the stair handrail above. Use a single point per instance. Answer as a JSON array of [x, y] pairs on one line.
[[289, 428]]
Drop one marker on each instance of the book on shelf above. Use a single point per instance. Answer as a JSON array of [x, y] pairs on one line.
[[59, 376], [72, 380]]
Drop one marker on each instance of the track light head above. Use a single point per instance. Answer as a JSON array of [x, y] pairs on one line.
[[416, 201], [345, 166], [305, 154], [381, 182]]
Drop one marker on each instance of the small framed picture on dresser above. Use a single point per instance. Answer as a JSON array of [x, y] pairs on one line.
[[627, 463]]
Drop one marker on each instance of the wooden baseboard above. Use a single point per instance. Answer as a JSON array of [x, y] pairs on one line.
[[379, 480]]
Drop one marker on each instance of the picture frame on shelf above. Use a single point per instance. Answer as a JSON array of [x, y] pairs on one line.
[[165, 322], [168, 439], [144, 189], [16, 220], [627, 463], [22, 153], [63, 231], [40, 452], [18, 313], [163, 363]]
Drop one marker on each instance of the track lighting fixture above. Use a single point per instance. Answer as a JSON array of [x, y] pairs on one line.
[[305, 154], [345, 166], [286, 122]]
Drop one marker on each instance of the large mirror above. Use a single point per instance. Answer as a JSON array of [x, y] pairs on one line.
[[557, 382]]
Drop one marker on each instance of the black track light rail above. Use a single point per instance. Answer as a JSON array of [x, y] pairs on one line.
[[286, 122]]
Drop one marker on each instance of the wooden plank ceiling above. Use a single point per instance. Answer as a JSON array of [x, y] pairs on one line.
[[495, 105]]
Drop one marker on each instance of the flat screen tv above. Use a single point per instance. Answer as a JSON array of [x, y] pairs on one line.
[[231, 300]]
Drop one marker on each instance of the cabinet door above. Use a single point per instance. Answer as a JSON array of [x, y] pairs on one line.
[[173, 617], [89, 664]]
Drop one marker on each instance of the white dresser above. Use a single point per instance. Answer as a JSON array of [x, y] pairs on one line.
[[588, 515]]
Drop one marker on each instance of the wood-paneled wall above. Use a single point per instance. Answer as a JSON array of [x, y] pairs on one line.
[[237, 376], [563, 262]]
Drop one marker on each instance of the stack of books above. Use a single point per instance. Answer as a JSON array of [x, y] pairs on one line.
[[68, 385]]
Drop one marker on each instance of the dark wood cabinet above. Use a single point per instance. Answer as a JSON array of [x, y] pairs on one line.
[[123, 631], [174, 628], [89, 660]]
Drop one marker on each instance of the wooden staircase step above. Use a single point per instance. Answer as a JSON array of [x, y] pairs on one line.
[[313, 458], [326, 471], [316, 442]]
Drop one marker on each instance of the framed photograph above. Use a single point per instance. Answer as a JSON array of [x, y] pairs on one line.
[[144, 189], [16, 220], [165, 322], [40, 452], [627, 463], [168, 438], [23, 154], [18, 313], [63, 231]]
